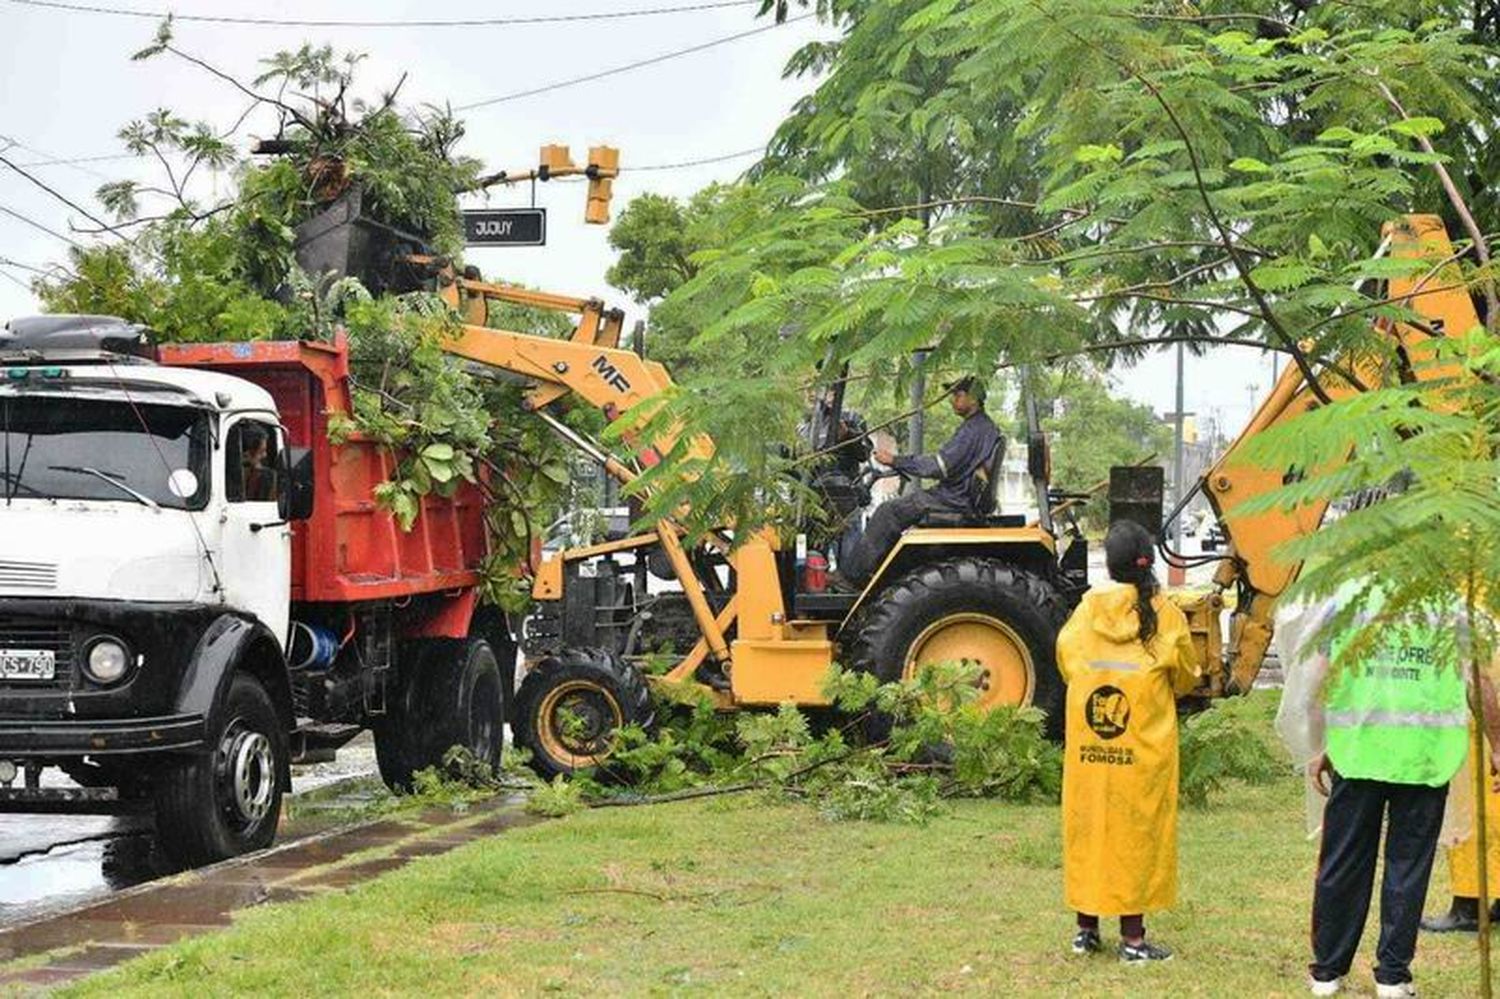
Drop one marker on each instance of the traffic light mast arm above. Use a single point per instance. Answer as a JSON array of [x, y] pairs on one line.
[[556, 161]]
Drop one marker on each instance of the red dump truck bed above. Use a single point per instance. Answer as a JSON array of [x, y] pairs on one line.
[[351, 550]]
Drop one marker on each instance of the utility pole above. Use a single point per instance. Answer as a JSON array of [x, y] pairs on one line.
[[916, 427], [1180, 488], [1176, 574]]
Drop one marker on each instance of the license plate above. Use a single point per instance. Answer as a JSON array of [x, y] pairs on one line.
[[27, 664]]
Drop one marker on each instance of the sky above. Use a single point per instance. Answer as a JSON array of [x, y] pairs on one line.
[[70, 86]]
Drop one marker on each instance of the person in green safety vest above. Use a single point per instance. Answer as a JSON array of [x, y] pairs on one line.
[[1394, 720]]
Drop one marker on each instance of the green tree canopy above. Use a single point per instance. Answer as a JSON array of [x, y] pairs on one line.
[[1220, 173]]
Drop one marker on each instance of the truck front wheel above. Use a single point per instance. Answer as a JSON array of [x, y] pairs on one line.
[[226, 801]]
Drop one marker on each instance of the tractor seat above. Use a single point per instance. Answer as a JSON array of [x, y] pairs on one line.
[[957, 518], [988, 514]]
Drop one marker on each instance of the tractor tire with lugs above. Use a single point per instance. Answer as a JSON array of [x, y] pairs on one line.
[[571, 705], [999, 614]]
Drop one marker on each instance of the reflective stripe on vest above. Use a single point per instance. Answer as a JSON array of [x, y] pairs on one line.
[[1398, 719]]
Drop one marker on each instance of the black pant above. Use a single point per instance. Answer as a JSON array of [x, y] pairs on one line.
[[1346, 874], [884, 530]]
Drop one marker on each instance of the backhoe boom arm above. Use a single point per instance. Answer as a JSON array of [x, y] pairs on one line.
[[1253, 565]]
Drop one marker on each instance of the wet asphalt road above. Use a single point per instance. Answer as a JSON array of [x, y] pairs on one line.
[[51, 862]]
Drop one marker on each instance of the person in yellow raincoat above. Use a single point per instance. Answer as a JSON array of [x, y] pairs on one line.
[[1463, 857], [1125, 654]]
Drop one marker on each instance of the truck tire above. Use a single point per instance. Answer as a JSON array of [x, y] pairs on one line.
[[227, 800], [1001, 615], [451, 693], [603, 692]]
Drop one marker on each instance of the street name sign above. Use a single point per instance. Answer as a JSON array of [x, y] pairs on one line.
[[505, 227]]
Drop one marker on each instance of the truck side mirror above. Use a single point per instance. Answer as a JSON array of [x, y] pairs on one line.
[[295, 501]]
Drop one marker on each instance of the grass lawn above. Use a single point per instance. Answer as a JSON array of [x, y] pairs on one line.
[[737, 895]]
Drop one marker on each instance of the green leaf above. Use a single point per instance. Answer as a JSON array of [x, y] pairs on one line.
[[438, 452], [1098, 154], [1417, 127], [1249, 164], [1339, 133]]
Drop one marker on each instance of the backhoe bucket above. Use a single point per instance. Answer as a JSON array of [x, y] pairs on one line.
[[341, 241], [1136, 493]]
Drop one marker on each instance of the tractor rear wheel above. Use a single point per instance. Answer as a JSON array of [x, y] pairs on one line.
[[571, 705], [999, 615]]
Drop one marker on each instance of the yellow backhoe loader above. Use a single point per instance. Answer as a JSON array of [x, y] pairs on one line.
[[742, 627]]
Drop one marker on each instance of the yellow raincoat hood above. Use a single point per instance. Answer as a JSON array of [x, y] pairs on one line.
[[1111, 614]]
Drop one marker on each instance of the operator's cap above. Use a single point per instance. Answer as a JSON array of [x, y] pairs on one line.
[[972, 384]]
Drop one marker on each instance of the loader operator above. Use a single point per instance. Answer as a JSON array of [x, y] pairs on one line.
[[956, 466]]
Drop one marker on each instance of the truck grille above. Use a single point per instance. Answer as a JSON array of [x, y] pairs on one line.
[[28, 575], [18, 633]]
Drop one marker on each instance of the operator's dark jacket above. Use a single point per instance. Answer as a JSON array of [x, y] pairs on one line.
[[957, 463], [955, 466]]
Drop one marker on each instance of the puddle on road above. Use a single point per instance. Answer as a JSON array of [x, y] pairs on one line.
[[73, 872], [117, 929], [53, 862]]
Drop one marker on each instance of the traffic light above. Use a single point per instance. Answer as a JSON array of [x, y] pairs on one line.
[[556, 161], [604, 164]]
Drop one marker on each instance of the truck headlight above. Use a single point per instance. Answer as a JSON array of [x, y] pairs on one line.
[[107, 660]]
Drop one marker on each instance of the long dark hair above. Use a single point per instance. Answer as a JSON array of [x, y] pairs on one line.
[[1129, 552]]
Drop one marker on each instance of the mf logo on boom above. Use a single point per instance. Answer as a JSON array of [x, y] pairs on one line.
[[611, 374]]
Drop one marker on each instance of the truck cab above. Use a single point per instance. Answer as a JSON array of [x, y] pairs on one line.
[[145, 526]]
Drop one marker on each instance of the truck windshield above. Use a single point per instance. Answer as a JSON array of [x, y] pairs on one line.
[[54, 447]]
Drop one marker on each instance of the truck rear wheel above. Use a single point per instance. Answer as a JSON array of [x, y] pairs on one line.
[[226, 801], [451, 693], [572, 704], [998, 615]]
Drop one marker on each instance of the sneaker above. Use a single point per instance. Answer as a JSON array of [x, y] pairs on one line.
[[1087, 942], [1332, 987], [1401, 990], [1144, 951], [1462, 917]]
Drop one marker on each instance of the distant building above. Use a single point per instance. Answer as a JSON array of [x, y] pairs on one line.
[[1202, 445]]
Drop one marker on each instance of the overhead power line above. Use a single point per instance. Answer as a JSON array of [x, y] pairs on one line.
[[466, 22], [755, 151], [639, 64], [15, 280], [60, 197], [7, 262], [37, 225], [75, 160], [49, 160]]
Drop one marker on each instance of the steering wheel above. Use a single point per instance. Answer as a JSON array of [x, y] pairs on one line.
[[874, 472]]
